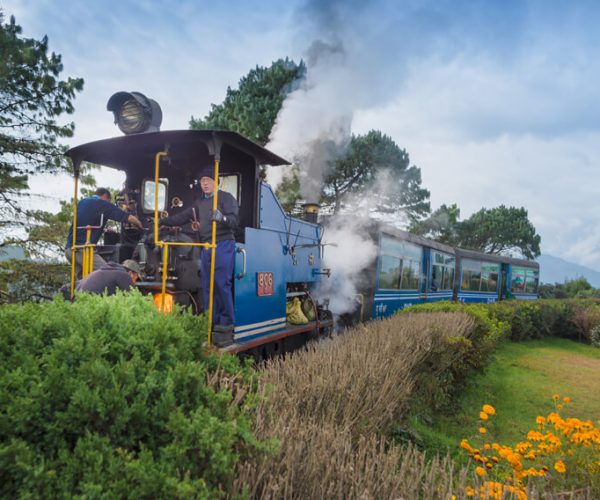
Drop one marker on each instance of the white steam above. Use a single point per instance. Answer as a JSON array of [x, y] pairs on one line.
[[352, 65], [347, 252]]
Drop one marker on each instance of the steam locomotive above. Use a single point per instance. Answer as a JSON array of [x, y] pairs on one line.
[[279, 258]]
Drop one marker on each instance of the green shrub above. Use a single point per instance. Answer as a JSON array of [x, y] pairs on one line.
[[107, 397], [454, 359]]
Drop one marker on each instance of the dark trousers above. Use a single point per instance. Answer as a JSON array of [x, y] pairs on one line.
[[223, 313]]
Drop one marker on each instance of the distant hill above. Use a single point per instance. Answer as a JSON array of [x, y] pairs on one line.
[[556, 270]]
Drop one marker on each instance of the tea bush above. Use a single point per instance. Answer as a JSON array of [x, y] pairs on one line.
[[107, 397]]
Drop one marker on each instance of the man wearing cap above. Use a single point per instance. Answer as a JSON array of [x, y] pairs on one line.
[[110, 278], [95, 211], [226, 217]]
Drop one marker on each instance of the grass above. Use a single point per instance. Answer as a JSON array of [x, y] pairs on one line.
[[519, 383]]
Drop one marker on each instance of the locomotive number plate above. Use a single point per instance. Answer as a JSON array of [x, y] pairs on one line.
[[264, 284]]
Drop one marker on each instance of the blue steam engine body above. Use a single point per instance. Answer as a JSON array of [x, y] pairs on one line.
[[277, 258]]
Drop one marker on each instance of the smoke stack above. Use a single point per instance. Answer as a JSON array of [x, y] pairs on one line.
[[311, 211]]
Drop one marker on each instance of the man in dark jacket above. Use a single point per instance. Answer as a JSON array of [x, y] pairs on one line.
[[95, 211], [226, 217], [110, 278]]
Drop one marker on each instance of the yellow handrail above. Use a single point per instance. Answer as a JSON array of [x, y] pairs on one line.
[[73, 245], [166, 244], [214, 250]]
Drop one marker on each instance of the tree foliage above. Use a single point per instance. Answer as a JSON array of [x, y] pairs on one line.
[[32, 97], [375, 169], [501, 230], [252, 108]]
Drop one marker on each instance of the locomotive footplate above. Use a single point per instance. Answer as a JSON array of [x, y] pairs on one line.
[[292, 330]]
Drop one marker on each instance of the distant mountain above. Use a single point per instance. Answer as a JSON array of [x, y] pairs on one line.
[[556, 270]]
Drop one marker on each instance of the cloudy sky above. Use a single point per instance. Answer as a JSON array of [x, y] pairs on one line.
[[497, 101]]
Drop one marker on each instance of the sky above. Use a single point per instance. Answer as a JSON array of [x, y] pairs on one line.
[[497, 102]]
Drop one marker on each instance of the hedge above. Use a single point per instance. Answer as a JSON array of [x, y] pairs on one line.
[[108, 398]]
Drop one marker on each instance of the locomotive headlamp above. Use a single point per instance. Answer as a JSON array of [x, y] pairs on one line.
[[135, 113]]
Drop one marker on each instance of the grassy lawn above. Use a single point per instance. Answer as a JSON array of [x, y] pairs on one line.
[[519, 383]]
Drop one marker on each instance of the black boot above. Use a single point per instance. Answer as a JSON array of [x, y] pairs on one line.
[[222, 335]]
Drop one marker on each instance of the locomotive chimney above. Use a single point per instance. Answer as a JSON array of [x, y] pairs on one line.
[[311, 211]]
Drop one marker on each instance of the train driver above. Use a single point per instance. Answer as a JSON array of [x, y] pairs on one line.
[[226, 217]]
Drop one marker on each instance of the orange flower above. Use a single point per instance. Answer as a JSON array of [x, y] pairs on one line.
[[489, 409], [482, 430], [469, 491], [540, 420], [480, 471], [567, 399], [559, 406], [560, 467], [483, 415], [555, 397]]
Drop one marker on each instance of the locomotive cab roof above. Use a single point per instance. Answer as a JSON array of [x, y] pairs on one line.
[[192, 147]]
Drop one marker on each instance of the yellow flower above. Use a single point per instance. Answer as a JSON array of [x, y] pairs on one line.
[[469, 491], [567, 399], [540, 420], [560, 467], [555, 397], [559, 406], [480, 471], [483, 415], [482, 430], [489, 409]]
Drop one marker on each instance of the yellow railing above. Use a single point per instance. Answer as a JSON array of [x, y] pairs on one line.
[[166, 244]]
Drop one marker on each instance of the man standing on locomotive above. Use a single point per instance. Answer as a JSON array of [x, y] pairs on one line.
[[226, 217], [95, 211]]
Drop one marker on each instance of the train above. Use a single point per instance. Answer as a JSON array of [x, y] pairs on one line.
[[409, 269], [278, 258]]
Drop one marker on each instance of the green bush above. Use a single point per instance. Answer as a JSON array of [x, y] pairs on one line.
[[452, 362], [107, 397]]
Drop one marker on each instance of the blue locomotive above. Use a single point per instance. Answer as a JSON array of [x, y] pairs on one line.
[[277, 257], [410, 269]]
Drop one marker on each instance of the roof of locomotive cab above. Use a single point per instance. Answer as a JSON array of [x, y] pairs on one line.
[[110, 152]]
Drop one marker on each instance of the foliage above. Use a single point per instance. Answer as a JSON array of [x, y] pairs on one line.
[[32, 97], [595, 336], [452, 363], [22, 280], [252, 108], [442, 225], [107, 397], [560, 454], [332, 407], [500, 230]]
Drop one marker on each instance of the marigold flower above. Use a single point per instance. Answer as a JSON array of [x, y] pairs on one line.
[[480, 471], [567, 399], [540, 420], [482, 430], [469, 491], [560, 467], [559, 406], [483, 415], [489, 409], [555, 397]]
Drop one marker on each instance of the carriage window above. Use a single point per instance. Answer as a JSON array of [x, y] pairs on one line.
[[443, 270], [148, 195], [471, 275], [389, 272], [411, 271], [489, 277], [448, 282], [230, 183], [517, 282]]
